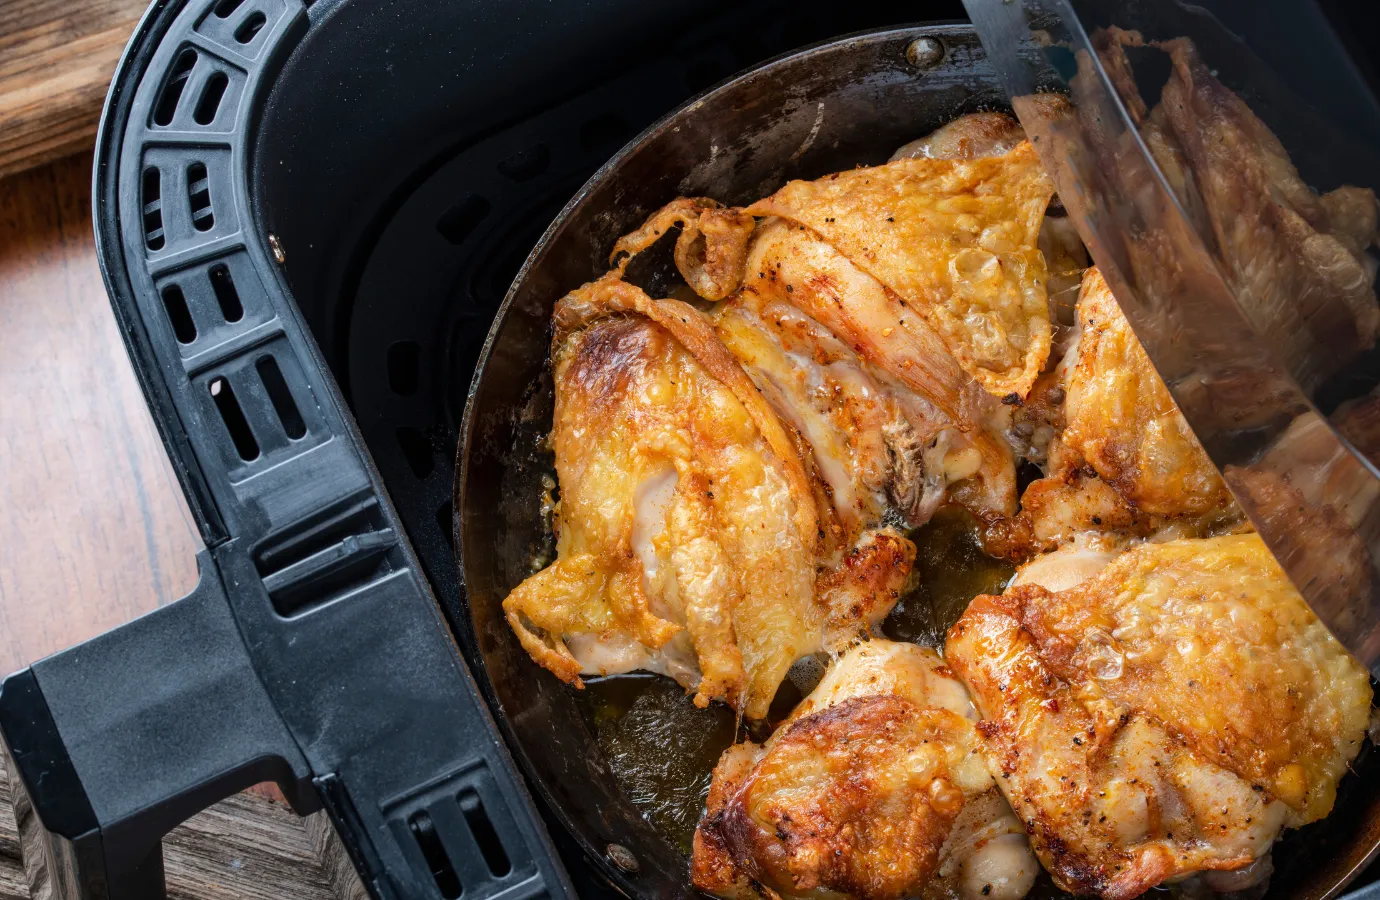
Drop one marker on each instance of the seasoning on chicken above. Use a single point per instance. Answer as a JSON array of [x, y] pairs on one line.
[[686, 527], [1124, 459], [955, 240], [1169, 715], [872, 789]]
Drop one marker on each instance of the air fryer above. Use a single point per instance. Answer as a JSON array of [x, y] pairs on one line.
[[308, 215]]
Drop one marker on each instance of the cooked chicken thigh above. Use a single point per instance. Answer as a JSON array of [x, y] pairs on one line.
[[890, 418], [872, 789], [955, 239], [1295, 259], [1170, 714], [728, 484], [1123, 458], [686, 529]]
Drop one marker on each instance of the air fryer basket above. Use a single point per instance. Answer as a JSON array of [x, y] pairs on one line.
[[844, 103], [307, 214]]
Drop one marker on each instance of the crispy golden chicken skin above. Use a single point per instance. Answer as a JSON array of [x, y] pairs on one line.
[[1122, 420], [872, 789], [686, 533], [1123, 458], [1170, 714], [956, 240], [689, 538], [889, 417]]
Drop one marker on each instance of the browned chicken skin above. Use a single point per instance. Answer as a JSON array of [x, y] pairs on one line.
[[877, 345], [685, 540], [1123, 459], [732, 509], [872, 789], [1170, 714], [955, 239]]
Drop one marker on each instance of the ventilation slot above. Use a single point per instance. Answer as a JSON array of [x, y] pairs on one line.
[[178, 314], [435, 854], [417, 449], [199, 196], [457, 222], [226, 295], [233, 417], [211, 95], [153, 210], [495, 857], [172, 91], [281, 395], [326, 556], [225, 7], [250, 27], [404, 368]]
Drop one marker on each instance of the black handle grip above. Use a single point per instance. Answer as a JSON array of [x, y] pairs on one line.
[[119, 739]]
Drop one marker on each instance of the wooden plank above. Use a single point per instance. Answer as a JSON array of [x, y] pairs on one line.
[[93, 527], [56, 61], [243, 848], [13, 885]]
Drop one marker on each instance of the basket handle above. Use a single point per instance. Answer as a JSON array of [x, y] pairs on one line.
[[117, 740]]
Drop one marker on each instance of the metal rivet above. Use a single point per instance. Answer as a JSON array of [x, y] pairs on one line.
[[623, 858], [276, 246], [925, 53]]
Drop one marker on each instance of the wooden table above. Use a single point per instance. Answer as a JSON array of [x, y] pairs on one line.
[[93, 527], [94, 530]]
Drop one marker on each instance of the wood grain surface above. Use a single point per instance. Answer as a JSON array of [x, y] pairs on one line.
[[245, 848], [93, 527], [56, 60]]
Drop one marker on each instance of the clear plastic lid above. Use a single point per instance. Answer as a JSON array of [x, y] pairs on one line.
[[1222, 171]]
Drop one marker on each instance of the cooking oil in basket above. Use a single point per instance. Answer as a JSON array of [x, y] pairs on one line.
[[950, 570], [663, 749]]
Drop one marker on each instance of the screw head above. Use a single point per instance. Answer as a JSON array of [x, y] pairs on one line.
[[623, 858], [925, 53]]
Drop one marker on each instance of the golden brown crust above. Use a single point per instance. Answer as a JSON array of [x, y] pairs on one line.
[[1123, 458], [1124, 423], [710, 249], [832, 806], [956, 240], [731, 576], [1168, 715], [611, 294], [860, 592], [792, 267], [871, 788]]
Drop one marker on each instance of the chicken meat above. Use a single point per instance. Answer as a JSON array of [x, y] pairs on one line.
[[955, 240], [872, 789], [686, 527], [1122, 458], [1159, 713], [1296, 259]]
